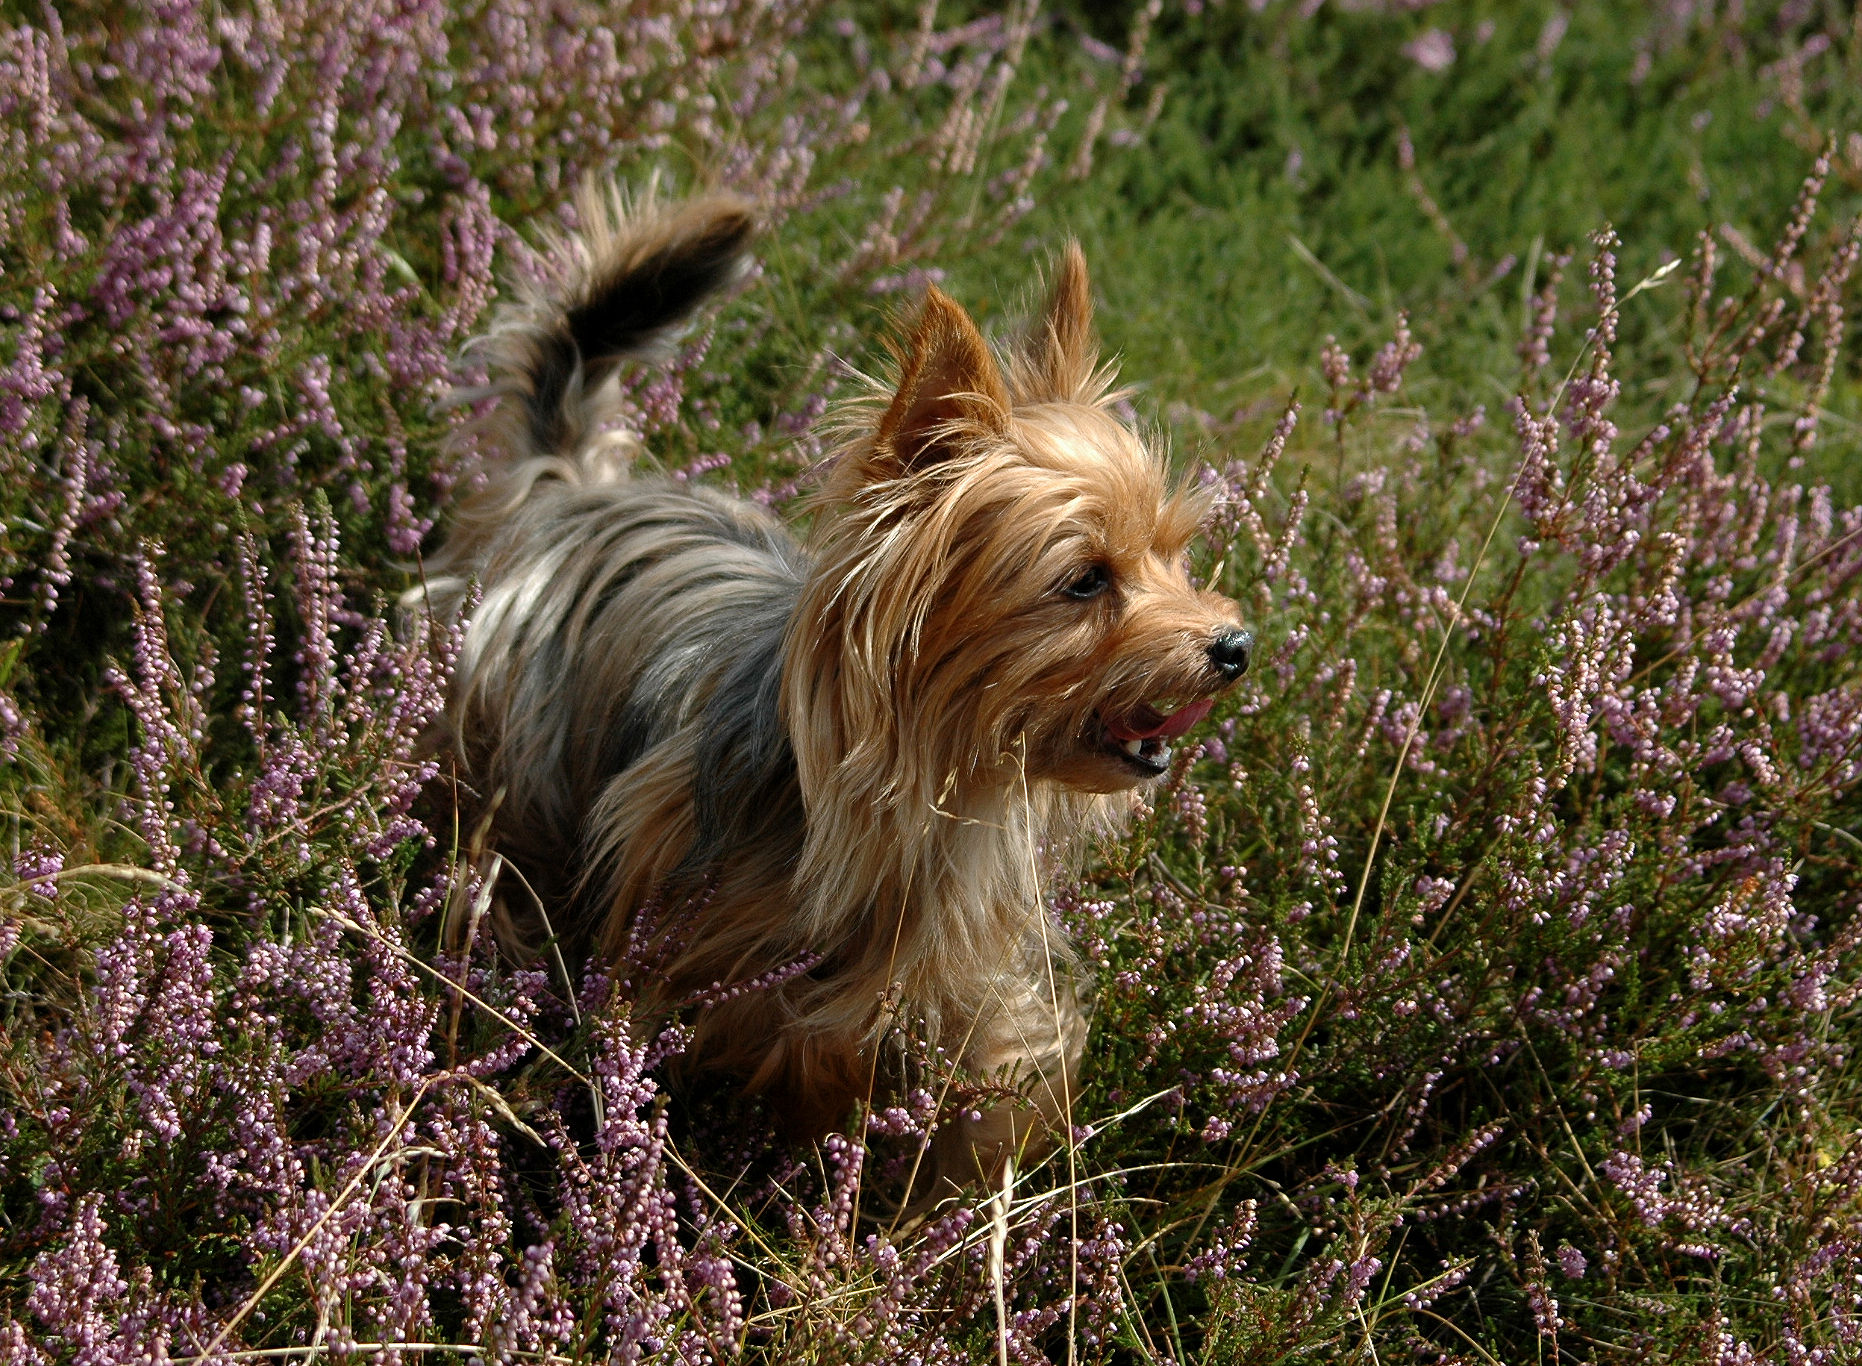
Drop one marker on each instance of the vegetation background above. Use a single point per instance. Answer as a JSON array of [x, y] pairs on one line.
[[1482, 986]]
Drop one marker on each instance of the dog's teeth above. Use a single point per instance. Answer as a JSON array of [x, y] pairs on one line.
[[1135, 748]]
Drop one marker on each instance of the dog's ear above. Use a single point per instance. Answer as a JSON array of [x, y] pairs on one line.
[[1058, 360], [948, 386]]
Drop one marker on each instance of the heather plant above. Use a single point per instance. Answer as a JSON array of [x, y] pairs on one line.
[[1575, 962], [1480, 987]]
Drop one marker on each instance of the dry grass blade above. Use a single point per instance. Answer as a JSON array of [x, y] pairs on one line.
[[998, 1245], [342, 1197]]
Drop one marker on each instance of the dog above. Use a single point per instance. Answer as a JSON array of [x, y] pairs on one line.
[[819, 785]]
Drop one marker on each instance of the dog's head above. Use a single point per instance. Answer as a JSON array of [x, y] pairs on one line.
[[1001, 583]]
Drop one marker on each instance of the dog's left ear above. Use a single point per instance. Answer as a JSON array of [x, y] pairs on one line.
[[1058, 359]]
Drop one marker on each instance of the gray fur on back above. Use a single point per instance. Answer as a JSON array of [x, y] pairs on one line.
[[612, 615]]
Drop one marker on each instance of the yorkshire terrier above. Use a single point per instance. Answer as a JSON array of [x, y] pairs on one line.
[[853, 761]]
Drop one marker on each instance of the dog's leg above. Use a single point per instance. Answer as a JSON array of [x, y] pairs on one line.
[[1033, 1040]]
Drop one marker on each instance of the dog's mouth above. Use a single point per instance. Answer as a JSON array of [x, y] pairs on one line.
[[1141, 738]]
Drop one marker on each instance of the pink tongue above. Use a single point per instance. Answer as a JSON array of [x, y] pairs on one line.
[[1147, 724]]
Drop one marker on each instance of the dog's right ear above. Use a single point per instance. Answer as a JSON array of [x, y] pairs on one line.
[[949, 389], [1058, 360]]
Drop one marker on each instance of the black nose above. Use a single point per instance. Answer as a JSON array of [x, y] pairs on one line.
[[1229, 652]]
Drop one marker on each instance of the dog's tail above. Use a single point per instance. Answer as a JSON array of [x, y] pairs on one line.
[[624, 287]]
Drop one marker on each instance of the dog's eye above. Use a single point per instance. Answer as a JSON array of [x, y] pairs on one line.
[[1090, 583]]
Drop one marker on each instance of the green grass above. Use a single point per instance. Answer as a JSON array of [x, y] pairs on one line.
[[1269, 208]]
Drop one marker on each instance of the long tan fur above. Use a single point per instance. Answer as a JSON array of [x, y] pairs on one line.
[[858, 759]]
